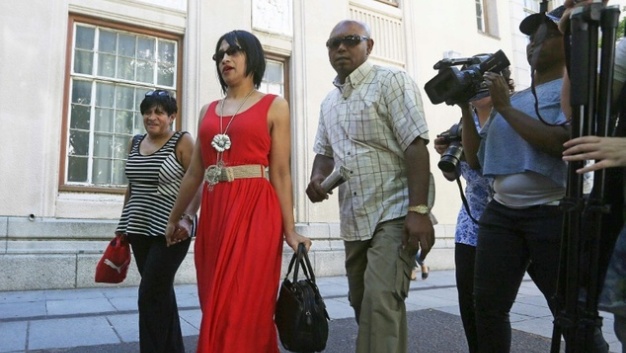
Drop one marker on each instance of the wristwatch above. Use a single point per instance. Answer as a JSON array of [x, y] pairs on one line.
[[421, 209]]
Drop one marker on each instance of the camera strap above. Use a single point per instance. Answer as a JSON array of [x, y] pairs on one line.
[[465, 203]]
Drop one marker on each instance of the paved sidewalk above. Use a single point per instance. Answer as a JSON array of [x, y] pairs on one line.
[[105, 319]]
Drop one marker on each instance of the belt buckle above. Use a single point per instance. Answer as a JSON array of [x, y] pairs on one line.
[[213, 175]]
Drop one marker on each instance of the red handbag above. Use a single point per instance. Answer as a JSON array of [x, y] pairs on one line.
[[113, 265]]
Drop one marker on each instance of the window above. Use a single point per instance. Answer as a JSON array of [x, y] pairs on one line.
[[531, 6], [275, 80], [480, 18], [534, 6], [110, 70], [487, 17]]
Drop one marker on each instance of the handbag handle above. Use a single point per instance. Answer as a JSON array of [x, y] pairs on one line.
[[308, 266], [301, 258]]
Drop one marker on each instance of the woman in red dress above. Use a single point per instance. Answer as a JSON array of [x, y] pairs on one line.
[[243, 139]]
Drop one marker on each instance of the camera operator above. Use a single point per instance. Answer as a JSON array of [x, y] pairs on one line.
[[520, 148], [477, 193], [608, 152]]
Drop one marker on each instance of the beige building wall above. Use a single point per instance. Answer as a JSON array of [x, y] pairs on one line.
[[53, 239]]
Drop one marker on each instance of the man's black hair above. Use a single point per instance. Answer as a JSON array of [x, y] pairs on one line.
[[255, 55]]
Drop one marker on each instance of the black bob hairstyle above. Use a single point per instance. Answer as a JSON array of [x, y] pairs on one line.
[[159, 98], [255, 56]]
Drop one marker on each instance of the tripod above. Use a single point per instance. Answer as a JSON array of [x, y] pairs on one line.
[[587, 235]]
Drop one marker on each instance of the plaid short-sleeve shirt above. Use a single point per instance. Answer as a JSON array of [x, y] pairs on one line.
[[365, 125]]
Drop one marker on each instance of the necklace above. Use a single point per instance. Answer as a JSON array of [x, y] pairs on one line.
[[221, 142]]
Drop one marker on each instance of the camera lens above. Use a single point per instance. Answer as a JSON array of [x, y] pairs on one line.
[[451, 157]]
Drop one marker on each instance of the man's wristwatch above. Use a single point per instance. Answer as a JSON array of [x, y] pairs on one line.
[[421, 209]]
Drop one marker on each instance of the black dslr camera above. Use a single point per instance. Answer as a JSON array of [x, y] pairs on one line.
[[453, 86], [452, 156]]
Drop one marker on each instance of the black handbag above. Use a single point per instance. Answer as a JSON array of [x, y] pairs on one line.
[[301, 316]]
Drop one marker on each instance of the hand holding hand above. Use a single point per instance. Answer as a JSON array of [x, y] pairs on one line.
[[175, 233]]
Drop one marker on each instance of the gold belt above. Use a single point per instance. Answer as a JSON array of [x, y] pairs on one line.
[[215, 174]]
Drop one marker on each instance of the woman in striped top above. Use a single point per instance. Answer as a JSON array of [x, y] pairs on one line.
[[156, 164]]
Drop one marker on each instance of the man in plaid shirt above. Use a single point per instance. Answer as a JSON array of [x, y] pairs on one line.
[[373, 124]]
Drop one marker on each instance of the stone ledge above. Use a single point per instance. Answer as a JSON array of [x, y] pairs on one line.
[[46, 228], [26, 272], [48, 253], [63, 271]]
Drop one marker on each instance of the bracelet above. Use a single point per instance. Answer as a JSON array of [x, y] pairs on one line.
[[187, 217]]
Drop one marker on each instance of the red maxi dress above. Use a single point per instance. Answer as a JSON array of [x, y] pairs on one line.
[[238, 248]]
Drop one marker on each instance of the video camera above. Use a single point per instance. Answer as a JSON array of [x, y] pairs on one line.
[[453, 86]]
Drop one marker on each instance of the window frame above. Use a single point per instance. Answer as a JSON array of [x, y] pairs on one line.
[[483, 17], [394, 3], [286, 61], [98, 22], [490, 19], [531, 9]]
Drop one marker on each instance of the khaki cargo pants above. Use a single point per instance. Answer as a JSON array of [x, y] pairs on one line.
[[379, 273]]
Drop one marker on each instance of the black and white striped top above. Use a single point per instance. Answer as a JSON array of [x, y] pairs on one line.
[[154, 182]]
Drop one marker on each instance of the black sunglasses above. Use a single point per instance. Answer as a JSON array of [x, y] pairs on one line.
[[232, 50], [348, 41], [158, 93]]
